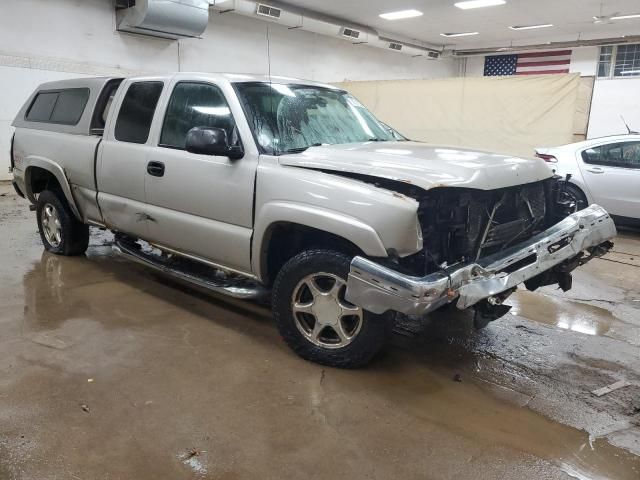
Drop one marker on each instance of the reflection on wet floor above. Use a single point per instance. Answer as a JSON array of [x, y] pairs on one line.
[[474, 410], [122, 295], [562, 313], [175, 370]]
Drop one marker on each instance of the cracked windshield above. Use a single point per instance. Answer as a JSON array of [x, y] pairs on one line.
[[292, 118]]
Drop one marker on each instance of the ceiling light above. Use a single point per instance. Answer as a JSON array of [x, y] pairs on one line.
[[624, 17], [531, 27], [479, 4], [462, 34], [400, 14]]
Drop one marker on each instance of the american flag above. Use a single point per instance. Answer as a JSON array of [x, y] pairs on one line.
[[538, 63]]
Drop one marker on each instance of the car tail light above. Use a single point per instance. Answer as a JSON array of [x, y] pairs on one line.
[[547, 158]]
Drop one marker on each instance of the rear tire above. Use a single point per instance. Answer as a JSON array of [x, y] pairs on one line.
[[60, 231], [316, 321]]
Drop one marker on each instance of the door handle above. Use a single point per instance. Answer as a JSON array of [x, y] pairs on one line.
[[595, 170], [155, 169]]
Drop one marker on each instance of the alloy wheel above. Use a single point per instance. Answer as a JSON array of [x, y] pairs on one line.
[[321, 312]]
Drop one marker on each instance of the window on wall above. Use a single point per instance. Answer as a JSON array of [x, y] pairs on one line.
[[604, 63], [619, 61], [628, 61]]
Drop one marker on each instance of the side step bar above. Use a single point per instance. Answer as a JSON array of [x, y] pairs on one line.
[[238, 288]]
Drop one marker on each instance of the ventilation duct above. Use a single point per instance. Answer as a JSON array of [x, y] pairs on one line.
[[165, 18], [547, 46], [295, 17], [350, 33], [402, 46], [268, 11], [262, 11]]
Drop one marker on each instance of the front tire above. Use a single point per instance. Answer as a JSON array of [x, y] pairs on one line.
[[60, 231], [314, 318], [576, 194]]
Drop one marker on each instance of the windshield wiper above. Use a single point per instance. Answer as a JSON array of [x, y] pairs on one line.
[[301, 149]]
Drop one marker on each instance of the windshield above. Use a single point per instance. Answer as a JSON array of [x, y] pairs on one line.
[[292, 118]]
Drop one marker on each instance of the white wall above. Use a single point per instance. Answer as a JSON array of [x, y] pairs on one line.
[[42, 40], [584, 60], [237, 43], [612, 99], [474, 67]]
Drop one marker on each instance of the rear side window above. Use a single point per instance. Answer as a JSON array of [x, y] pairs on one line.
[[624, 154], [136, 113], [42, 107], [59, 106]]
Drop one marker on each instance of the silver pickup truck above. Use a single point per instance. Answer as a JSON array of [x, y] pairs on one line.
[[289, 190]]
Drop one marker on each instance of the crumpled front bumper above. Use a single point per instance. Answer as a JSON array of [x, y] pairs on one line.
[[378, 288]]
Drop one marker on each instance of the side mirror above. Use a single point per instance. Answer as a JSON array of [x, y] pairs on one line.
[[212, 141]]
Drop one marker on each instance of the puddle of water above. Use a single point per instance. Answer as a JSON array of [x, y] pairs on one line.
[[427, 395], [473, 411], [196, 464], [565, 314]]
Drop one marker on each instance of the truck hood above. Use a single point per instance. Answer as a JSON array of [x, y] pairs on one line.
[[426, 166]]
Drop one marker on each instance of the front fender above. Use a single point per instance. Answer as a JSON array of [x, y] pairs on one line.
[[336, 223], [56, 170]]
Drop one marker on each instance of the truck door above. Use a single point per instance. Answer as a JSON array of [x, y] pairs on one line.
[[201, 205], [122, 157]]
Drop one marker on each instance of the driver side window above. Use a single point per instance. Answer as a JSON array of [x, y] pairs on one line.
[[195, 104]]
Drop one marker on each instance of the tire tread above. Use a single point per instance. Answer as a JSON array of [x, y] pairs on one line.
[[75, 234], [375, 331]]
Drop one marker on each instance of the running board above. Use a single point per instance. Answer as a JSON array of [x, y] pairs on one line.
[[238, 287]]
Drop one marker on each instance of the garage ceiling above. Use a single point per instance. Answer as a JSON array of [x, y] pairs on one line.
[[572, 20]]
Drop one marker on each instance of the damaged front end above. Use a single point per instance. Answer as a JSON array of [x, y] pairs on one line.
[[480, 245]]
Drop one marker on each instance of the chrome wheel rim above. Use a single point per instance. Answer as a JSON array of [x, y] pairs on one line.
[[51, 226], [322, 314]]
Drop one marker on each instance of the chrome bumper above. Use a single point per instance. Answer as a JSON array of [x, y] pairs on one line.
[[378, 288]]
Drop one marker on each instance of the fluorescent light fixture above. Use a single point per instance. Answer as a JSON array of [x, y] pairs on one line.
[[479, 4], [217, 2], [531, 27], [630, 72], [624, 17], [215, 111], [461, 34], [401, 14], [283, 89]]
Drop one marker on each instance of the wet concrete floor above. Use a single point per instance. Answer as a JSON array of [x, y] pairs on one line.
[[110, 371]]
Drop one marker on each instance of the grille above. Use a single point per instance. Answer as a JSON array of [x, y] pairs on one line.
[[461, 224]]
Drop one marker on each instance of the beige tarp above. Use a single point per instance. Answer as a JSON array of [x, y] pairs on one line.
[[583, 109], [510, 115]]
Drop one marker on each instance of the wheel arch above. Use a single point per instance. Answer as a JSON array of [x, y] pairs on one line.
[[582, 187], [283, 231], [42, 173]]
